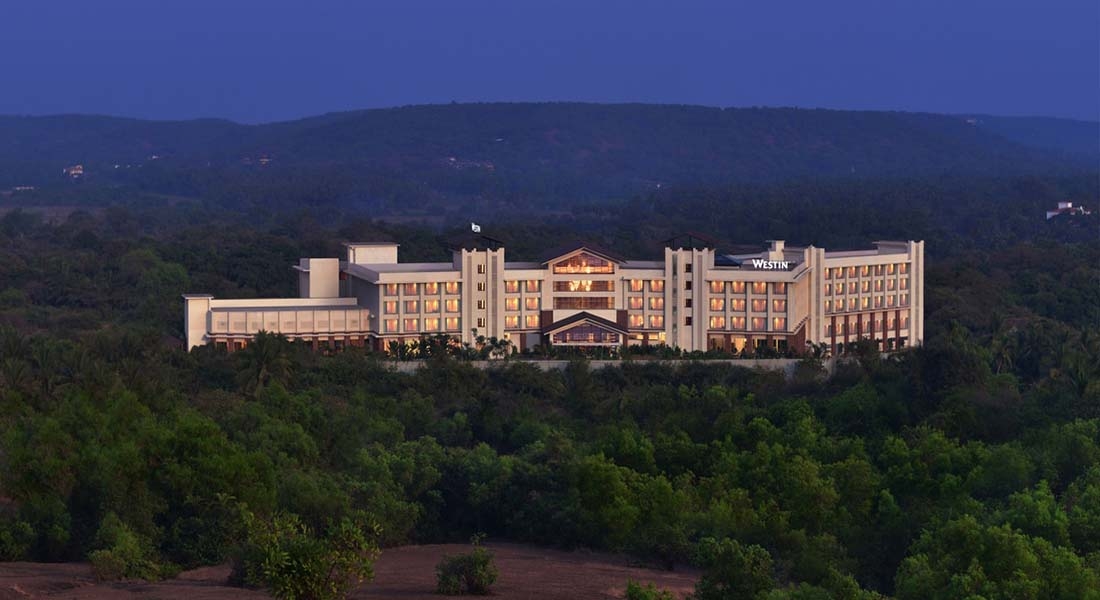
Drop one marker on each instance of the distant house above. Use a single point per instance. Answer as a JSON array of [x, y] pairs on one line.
[[1067, 208], [75, 171]]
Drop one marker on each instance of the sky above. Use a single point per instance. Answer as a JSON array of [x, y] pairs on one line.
[[266, 61]]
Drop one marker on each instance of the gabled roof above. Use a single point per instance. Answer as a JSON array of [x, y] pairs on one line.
[[563, 251], [582, 317]]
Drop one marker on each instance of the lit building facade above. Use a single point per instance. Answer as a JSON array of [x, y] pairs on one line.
[[694, 299]]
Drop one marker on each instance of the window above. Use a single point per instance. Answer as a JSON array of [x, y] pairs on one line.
[[878, 285], [583, 263], [904, 300], [718, 304], [389, 326], [759, 305], [878, 269], [636, 321], [412, 325], [779, 288], [481, 305], [390, 307], [431, 306], [779, 306], [891, 284], [511, 304], [635, 303], [532, 321], [865, 286], [838, 288], [878, 301], [656, 303], [828, 289], [657, 285], [412, 289], [656, 321], [865, 302], [511, 321], [903, 268], [636, 285], [904, 283], [481, 322], [737, 304], [905, 321], [851, 303], [452, 305], [851, 271], [687, 303], [597, 303], [584, 285], [481, 286], [779, 324], [451, 287], [532, 285], [717, 322], [759, 287], [412, 306], [718, 287], [738, 323], [828, 306], [828, 273], [586, 334], [511, 287], [687, 285], [531, 303], [891, 300], [891, 269], [738, 287], [838, 273], [852, 287], [687, 321], [431, 324], [431, 288], [391, 289], [865, 270], [452, 323], [687, 267], [759, 323], [481, 269]]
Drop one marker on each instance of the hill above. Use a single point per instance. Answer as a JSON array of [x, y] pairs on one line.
[[432, 157]]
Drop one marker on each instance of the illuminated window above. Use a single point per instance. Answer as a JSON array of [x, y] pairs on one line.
[[737, 304], [481, 269], [738, 323], [582, 303], [412, 325], [635, 302], [852, 287], [759, 324], [532, 285], [452, 305], [636, 285], [851, 271], [891, 268], [531, 303], [637, 321], [412, 306], [656, 303], [481, 286], [512, 287], [903, 268], [851, 303], [431, 288], [828, 306], [865, 286], [532, 321], [865, 270], [905, 299], [737, 287], [718, 304], [584, 285], [511, 304], [718, 287], [891, 300], [759, 305], [389, 325], [891, 284], [411, 289], [878, 301], [878, 269], [838, 288], [878, 285], [583, 263], [905, 322], [838, 273], [481, 305], [511, 321], [431, 324], [391, 289], [431, 306], [779, 324], [828, 289], [481, 322], [452, 323], [717, 323], [904, 283], [828, 273], [657, 285], [865, 302], [656, 321], [779, 306], [451, 287], [759, 287], [390, 307], [779, 288]]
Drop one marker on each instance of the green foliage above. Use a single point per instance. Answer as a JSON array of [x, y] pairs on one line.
[[471, 573], [637, 591], [122, 553], [732, 570], [287, 557]]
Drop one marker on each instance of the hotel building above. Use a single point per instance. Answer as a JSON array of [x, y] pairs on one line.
[[694, 299]]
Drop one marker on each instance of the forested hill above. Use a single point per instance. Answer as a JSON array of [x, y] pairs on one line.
[[417, 155]]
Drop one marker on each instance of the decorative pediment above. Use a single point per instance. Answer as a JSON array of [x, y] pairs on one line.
[[585, 329]]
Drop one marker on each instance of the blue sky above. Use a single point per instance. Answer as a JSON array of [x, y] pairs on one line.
[[262, 61]]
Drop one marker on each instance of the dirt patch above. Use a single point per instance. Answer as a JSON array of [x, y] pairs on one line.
[[405, 573]]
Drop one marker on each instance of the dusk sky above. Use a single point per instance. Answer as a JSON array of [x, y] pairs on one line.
[[263, 61]]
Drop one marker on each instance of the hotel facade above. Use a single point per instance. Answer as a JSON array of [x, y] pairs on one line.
[[695, 299]]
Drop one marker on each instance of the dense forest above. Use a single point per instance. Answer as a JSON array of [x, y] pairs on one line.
[[969, 467]]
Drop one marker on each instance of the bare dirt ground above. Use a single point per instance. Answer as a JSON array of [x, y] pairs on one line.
[[405, 573]]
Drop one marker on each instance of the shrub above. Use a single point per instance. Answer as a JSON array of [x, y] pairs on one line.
[[122, 553], [472, 573], [285, 556], [732, 570], [636, 591]]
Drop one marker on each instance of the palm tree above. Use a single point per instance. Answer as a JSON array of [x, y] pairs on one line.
[[264, 360]]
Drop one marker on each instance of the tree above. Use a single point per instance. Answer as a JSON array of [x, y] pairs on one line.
[[732, 571], [266, 359]]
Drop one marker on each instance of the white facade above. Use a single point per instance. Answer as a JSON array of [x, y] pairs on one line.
[[694, 299]]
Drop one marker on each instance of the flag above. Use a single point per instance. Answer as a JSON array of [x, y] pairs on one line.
[[475, 227]]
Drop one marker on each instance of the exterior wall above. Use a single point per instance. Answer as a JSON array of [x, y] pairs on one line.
[[319, 278]]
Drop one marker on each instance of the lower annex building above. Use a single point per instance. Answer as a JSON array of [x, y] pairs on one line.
[[695, 299]]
